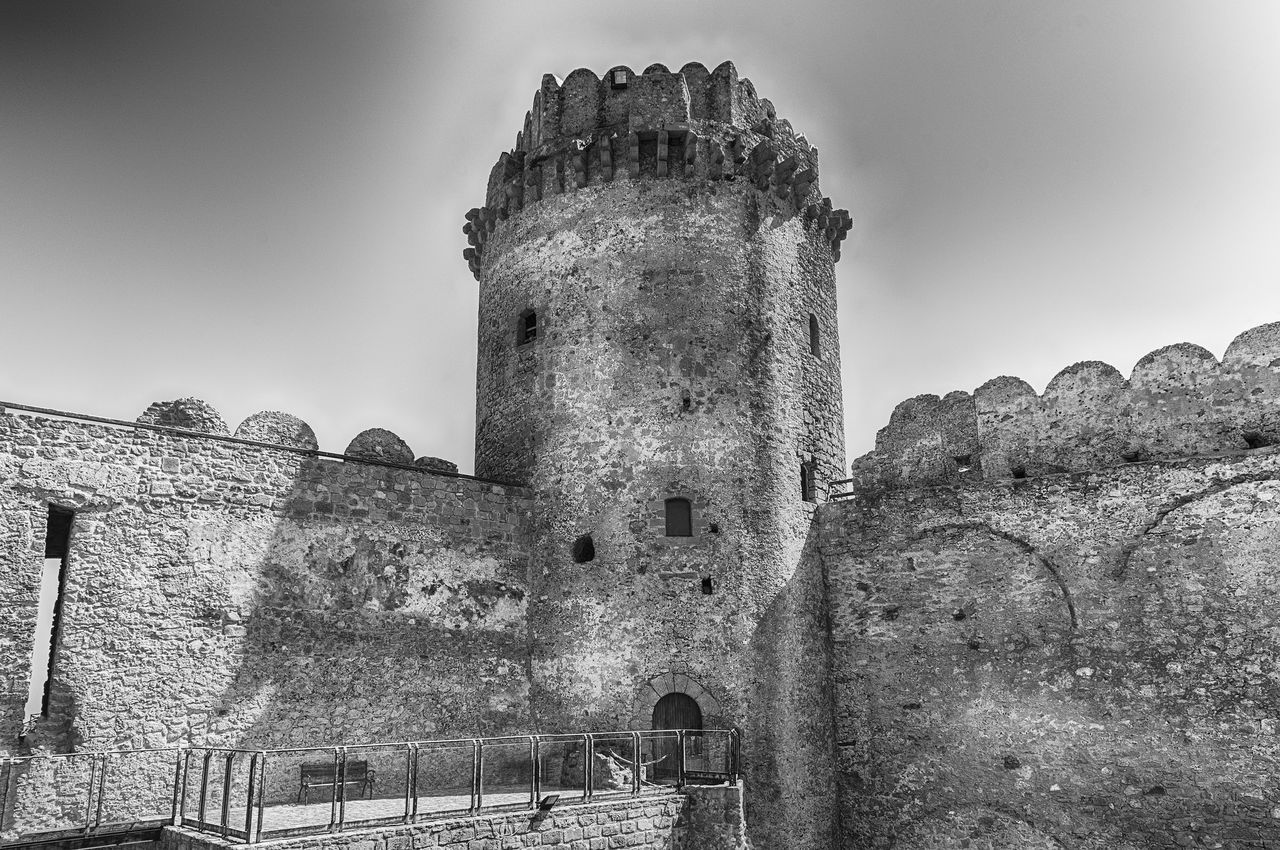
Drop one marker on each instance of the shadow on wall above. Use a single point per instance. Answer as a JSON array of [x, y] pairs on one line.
[[245, 596], [789, 753], [383, 604], [970, 706], [387, 604]]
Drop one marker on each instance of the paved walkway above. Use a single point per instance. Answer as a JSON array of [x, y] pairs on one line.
[[282, 817]]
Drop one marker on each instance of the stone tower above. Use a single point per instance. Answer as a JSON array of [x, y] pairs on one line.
[[659, 362]]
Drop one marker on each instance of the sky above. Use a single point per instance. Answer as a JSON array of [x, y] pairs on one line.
[[260, 203]]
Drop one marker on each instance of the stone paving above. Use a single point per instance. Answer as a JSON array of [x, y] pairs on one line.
[[297, 817]]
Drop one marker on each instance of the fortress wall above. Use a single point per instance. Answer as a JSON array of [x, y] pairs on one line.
[[243, 595], [1089, 660], [1178, 401]]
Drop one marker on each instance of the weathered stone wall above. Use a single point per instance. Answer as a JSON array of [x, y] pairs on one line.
[[672, 359], [230, 594], [1078, 660], [1178, 401], [701, 818]]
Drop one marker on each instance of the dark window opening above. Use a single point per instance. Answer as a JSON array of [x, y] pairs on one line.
[[527, 327], [715, 528], [679, 516], [707, 586], [584, 549], [1255, 440], [1019, 472], [686, 401], [815, 344], [964, 463], [53, 586], [808, 491]]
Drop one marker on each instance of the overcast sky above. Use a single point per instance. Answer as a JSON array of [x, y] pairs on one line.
[[260, 203]]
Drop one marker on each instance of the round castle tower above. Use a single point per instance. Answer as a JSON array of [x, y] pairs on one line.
[[658, 361]]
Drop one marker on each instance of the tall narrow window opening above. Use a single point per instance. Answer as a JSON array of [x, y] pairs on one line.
[[679, 518], [53, 586], [808, 491], [527, 327], [815, 342]]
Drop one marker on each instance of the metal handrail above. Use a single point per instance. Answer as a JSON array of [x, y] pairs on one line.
[[218, 774]]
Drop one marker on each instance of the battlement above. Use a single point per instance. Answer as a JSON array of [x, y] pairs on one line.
[[268, 428], [692, 123], [1178, 401]]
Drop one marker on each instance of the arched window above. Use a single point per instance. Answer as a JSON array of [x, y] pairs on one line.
[[527, 327], [679, 518], [815, 342]]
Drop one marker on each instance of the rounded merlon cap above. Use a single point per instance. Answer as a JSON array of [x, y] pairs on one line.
[[1092, 373], [1258, 346], [190, 414], [436, 464], [281, 429], [380, 444]]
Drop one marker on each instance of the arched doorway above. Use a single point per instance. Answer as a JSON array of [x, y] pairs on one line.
[[674, 711]]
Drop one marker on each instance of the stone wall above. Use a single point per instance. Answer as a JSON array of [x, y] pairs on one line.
[[1178, 401], [225, 593], [701, 818], [1082, 660]]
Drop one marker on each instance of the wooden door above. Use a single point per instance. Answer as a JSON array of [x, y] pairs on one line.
[[673, 711]]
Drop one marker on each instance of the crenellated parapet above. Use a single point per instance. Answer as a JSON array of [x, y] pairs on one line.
[[274, 428], [688, 124], [1178, 401]]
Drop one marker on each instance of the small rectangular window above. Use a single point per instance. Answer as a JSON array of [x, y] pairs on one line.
[[679, 518], [527, 327]]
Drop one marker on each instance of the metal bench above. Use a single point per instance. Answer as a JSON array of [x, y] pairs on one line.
[[325, 774]]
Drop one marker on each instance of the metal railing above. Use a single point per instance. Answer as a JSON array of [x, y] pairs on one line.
[[251, 795], [92, 793], [842, 489]]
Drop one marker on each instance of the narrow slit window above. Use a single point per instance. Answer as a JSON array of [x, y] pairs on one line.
[[815, 340], [53, 585], [679, 518], [808, 491], [527, 327]]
